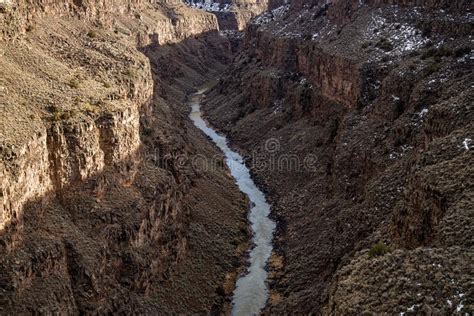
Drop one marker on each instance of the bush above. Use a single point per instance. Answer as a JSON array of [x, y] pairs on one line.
[[66, 115], [378, 250], [56, 117], [92, 34], [437, 53], [131, 73], [432, 68], [74, 83], [385, 44], [90, 108], [461, 51], [58, 114]]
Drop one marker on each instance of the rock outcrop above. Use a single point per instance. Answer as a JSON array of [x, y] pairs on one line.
[[233, 15]]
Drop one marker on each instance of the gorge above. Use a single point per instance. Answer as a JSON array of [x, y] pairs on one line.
[[343, 185]]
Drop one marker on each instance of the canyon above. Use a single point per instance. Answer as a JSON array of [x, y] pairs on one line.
[[101, 208], [354, 118]]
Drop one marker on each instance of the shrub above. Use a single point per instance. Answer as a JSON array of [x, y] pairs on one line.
[[92, 34], [75, 82], [130, 72], [444, 51], [66, 115], [378, 250], [432, 68], [425, 28], [90, 108], [307, 36], [461, 51], [385, 44], [56, 117], [437, 52]]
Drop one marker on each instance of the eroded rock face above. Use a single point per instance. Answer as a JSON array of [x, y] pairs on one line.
[[233, 15], [372, 94], [82, 148], [102, 210]]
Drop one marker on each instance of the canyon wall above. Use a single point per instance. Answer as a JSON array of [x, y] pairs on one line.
[[233, 15], [102, 209], [79, 149], [353, 116], [161, 21]]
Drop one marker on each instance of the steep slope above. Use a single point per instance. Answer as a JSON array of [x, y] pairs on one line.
[[356, 117], [234, 14], [104, 207]]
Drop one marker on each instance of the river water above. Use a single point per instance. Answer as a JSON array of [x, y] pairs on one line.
[[251, 292]]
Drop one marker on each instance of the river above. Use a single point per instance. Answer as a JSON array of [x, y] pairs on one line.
[[251, 292]]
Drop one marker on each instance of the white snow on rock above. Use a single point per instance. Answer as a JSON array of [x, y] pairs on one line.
[[402, 36], [466, 143], [271, 15], [208, 5], [423, 113]]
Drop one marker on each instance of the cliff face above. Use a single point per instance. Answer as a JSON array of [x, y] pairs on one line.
[[79, 145], [147, 20], [353, 116], [102, 208], [233, 15]]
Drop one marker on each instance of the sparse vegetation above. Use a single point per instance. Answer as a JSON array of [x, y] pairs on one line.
[[385, 44], [75, 82], [425, 28], [92, 34], [90, 108], [437, 53], [461, 51], [130, 72], [432, 68], [378, 250], [58, 114]]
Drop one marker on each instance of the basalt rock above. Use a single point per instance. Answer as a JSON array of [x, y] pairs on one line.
[[367, 106]]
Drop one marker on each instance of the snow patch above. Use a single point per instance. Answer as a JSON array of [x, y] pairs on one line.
[[466, 143], [271, 15], [423, 113], [210, 6]]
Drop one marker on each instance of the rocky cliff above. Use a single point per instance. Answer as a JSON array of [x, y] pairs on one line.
[[102, 208], [355, 117], [233, 15]]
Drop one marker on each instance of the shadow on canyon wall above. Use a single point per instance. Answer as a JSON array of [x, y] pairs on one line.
[[152, 233]]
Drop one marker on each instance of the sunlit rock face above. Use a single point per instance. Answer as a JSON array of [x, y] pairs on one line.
[[98, 197]]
